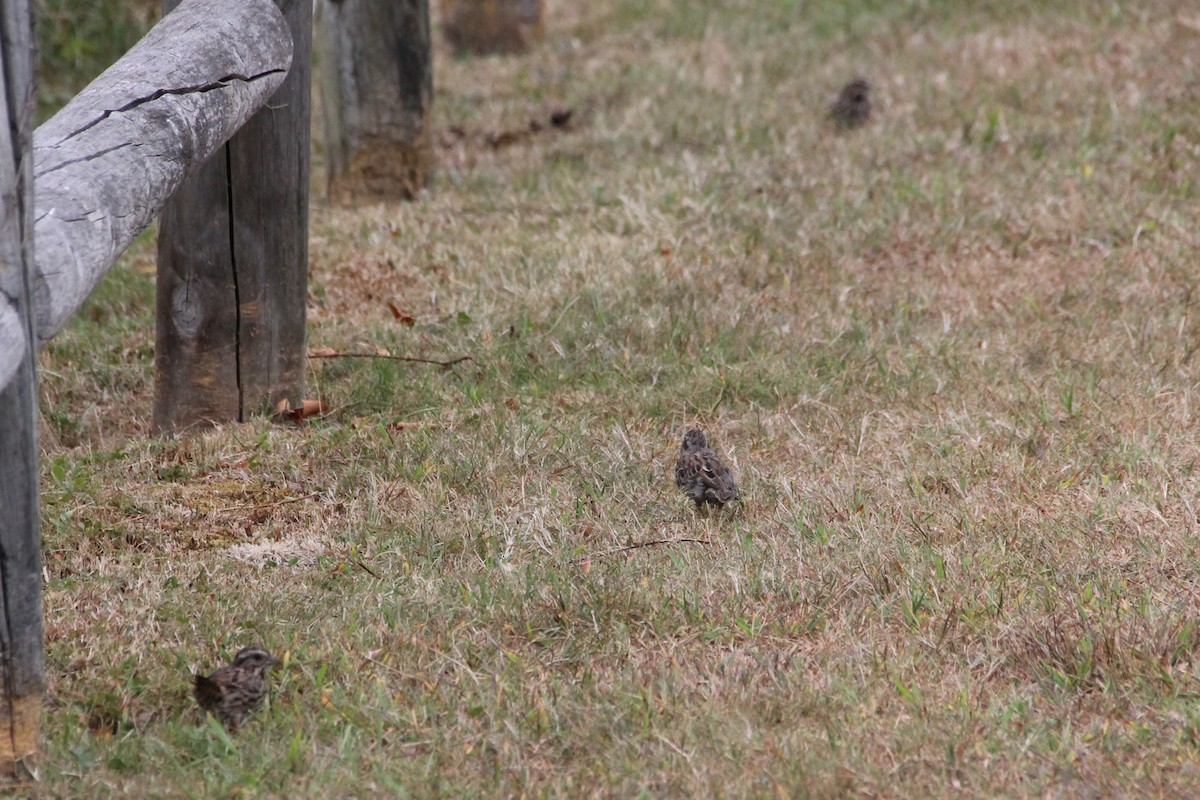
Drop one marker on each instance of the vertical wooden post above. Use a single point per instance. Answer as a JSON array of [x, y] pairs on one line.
[[21, 656], [477, 27], [376, 83], [233, 263]]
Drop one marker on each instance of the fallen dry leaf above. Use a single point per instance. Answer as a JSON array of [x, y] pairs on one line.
[[400, 316], [504, 138], [312, 407], [307, 408], [561, 117], [404, 426]]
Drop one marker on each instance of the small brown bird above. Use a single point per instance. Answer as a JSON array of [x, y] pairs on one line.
[[852, 107], [233, 692], [701, 473]]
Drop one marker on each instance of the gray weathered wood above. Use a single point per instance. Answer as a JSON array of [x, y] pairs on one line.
[[376, 79], [492, 26], [107, 162], [233, 263], [21, 657]]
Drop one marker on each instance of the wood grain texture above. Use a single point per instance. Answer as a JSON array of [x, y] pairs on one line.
[[107, 162], [21, 648], [233, 263], [376, 79]]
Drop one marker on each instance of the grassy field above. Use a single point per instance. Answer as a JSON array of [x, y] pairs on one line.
[[951, 357]]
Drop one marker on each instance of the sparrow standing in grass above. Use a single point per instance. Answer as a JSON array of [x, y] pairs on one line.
[[852, 107], [236, 690], [701, 473]]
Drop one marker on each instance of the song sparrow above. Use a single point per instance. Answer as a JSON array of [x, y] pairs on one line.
[[234, 691], [853, 104], [701, 473]]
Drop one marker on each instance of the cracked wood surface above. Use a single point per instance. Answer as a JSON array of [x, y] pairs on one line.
[[233, 264], [107, 163]]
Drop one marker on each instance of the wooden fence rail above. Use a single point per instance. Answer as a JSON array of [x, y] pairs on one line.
[[105, 165]]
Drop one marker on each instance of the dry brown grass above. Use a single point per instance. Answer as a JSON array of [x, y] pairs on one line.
[[951, 357]]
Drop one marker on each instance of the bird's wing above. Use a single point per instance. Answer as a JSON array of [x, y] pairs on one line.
[[718, 479], [207, 691], [686, 468]]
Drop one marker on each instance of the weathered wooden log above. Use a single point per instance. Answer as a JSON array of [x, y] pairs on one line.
[[107, 162], [233, 263], [21, 657], [478, 27], [376, 79]]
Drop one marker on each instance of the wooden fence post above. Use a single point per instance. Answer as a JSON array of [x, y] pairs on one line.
[[21, 648], [478, 27], [233, 263], [376, 81]]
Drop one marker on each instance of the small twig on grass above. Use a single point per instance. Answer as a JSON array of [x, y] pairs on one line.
[[413, 359], [271, 505], [638, 545], [366, 569], [686, 755]]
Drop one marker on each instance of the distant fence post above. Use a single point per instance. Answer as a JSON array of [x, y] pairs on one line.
[[233, 262], [376, 90], [478, 27], [21, 648]]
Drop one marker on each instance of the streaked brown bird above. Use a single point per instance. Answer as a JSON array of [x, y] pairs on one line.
[[235, 691], [701, 474], [852, 108]]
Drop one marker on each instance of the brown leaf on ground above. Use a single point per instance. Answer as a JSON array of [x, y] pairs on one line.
[[400, 316], [502, 139], [400, 427], [307, 408], [561, 118]]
